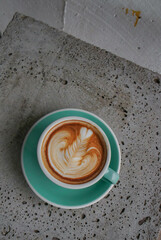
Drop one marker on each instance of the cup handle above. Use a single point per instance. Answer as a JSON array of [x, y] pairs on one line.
[[111, 176]]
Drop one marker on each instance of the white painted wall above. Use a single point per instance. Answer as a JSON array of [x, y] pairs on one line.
[[100, 22], [48, 11]]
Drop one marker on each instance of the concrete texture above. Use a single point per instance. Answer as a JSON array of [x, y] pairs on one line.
[[106, 24], [35, 62]]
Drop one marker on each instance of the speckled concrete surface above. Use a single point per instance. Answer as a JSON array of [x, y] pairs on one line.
[[41, 70]]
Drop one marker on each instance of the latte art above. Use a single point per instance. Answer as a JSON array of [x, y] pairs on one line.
[[74, 152], [71, 160]]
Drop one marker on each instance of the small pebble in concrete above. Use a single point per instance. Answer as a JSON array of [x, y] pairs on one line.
[[83, 216], [157, 80], [64, 82], [6, 230], [144, 220], [123, 210]]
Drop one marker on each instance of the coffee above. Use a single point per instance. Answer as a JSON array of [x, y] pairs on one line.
[[74, 151]]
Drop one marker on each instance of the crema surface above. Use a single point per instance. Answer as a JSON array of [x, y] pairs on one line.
[[74, 152]]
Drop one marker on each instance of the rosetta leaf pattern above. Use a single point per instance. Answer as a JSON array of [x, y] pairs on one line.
[[75, 152]]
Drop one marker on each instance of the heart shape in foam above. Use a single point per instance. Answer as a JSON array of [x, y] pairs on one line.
[[47, 190]]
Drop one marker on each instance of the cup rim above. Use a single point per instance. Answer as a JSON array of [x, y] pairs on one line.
[[66, 185]]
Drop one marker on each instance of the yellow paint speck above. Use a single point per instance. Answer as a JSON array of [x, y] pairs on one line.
[[127, 10], [134, 13], [137, 14]]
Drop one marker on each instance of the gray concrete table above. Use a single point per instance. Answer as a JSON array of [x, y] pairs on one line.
[[42, 70]]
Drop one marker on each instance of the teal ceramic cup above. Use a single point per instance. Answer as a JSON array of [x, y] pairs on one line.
[[107, 174], [46, 189]]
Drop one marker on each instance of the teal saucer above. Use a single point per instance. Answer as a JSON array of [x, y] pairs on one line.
[[49, 191]]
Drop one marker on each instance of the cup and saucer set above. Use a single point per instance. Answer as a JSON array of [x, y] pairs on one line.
[[51, 189]]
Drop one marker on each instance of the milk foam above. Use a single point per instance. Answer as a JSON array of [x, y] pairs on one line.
[[72, 157]]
